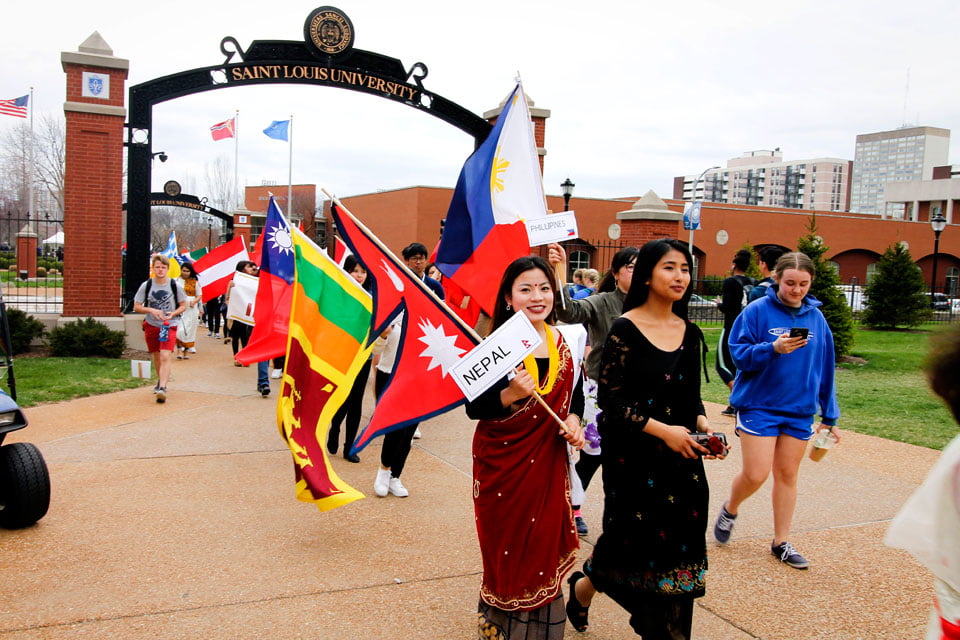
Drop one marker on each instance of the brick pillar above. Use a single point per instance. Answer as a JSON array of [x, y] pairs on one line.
[[93, 187], [27, 253], [539, 118], [648, 219], [242, 226]]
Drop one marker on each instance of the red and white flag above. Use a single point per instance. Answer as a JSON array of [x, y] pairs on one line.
[[340, 251], [222, 130], [216, 269]]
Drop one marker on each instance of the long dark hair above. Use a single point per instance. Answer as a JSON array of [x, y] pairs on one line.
[[620, 259], [350, 263], [193, 272], [647, 259], [500, 312]]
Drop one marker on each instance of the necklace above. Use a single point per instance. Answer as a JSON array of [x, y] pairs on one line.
[[553, 355]]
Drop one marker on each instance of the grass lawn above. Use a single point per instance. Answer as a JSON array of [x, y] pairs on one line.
[[44, 380], [887, 396]]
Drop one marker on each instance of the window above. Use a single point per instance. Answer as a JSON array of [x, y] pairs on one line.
[[579, 260], [871, 271], [953, 279]]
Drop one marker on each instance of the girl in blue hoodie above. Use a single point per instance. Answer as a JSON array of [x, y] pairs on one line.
[[781, 384]]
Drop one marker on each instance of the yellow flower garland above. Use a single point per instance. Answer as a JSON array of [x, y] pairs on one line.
[[553, 354]]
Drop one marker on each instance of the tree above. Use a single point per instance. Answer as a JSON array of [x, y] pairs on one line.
[[825, 288], [221, 191], [896, 295]]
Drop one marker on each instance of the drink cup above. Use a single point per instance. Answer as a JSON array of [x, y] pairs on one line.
[[823, 441]]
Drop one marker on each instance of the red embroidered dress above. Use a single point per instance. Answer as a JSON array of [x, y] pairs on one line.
[[521, 494]]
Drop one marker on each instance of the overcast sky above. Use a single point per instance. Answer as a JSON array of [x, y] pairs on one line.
[[638, 93]]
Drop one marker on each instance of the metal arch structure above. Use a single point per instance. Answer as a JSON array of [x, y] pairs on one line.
[[309, 61], [187, 201]]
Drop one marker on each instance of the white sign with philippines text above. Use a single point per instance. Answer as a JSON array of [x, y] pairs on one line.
[[496, 356], [555, 227]]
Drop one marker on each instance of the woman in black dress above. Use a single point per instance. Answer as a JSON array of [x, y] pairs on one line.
[[651, 558]]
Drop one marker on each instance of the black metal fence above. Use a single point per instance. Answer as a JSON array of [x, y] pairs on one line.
[[32, 285], [703, 307]]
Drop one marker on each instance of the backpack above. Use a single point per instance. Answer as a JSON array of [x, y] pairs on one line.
[[173, 288], [747, 284]]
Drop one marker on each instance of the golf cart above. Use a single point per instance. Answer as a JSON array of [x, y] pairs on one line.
[[24, 481]]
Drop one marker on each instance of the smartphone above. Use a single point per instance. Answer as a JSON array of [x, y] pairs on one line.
[[799, 332], [716, 443]]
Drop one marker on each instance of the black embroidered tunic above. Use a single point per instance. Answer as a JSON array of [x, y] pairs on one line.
[[655, 500]]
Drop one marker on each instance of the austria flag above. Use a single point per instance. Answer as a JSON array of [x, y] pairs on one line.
[[500, 187], [215, 270]]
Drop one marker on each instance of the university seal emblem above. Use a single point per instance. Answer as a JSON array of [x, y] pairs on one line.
[[329, 30], [172, 188]]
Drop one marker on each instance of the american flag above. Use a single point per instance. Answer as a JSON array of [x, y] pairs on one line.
[[15, 106]]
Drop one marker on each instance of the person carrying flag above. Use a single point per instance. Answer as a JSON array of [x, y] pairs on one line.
[[521, 486]]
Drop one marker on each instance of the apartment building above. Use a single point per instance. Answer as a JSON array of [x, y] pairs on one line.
[[905, 154], [763, 178]]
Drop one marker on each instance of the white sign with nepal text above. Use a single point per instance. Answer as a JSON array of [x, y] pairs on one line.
[[555, 227], [496, 356]]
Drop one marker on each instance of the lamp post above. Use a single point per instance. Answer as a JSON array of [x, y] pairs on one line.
[[693, 198], [939, 223], [209, 237], [567, 187]]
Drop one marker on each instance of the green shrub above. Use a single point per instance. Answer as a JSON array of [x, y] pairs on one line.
[[711, 285], [84, 338], [23, 330]]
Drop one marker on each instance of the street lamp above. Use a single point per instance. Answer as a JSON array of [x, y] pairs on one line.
[[567, 187], [209, 237], [693, 198], [939, 223]]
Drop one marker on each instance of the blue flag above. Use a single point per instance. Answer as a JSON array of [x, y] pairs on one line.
[[278, 129]]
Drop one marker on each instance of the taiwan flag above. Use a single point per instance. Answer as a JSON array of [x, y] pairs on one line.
[[432, 337], [274, 292], [500, 186]]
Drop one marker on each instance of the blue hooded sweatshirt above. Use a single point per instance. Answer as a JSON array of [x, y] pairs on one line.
[[773, 388]]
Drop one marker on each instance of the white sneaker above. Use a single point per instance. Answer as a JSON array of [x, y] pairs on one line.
[[417, 435], [192, 349], [381, 486], [397, 488], [276, 374]]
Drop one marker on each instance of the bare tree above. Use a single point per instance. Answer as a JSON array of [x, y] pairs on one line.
[[220, 183], [51, 140]]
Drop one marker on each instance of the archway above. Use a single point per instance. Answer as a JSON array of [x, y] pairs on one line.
[[325, 57]]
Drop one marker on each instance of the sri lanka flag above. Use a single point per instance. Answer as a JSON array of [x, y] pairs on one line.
[[274, 291], [499, 187], [329, 327], [432, 337]]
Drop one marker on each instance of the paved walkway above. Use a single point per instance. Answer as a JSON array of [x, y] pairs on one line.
[[179, 521]]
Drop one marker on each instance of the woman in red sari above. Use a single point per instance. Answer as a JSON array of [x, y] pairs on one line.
[[521, 490]]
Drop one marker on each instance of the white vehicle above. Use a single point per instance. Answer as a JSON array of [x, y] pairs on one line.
[[854, 296]]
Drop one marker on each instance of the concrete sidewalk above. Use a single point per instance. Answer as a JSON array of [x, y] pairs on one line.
[[179, 521]]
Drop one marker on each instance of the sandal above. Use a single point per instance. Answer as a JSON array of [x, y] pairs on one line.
[[576, 612]]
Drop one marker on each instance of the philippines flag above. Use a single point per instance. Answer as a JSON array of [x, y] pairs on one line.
[[222, 130], [15, 107], [432, 339], [215, 270], [274, 292], [499, 187]]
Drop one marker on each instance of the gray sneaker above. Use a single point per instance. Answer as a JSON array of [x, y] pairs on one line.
[[724, 525], [162, 395], [788, 555]]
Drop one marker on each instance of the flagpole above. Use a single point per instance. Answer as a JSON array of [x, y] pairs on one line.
[[290, 171], [236, 157], [427, 289], [33, 161]]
